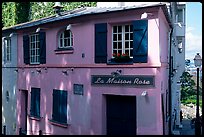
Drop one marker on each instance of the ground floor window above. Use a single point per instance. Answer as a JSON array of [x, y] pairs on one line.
[[59, 108], [35, 102]]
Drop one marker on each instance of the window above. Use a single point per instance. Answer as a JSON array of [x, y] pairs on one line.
[[59, 109], [66, 39], [123, 40], [7, 42], [180, 15], [34, 49], [131, 39], [35, 102]]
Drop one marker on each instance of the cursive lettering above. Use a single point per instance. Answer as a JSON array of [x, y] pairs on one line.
[[99, 80], [118, 81], [139, 82]]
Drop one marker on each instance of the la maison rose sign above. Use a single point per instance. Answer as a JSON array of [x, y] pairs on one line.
[[124, 80]]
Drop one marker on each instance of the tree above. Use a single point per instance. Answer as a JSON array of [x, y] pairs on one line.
[[22, 12], [187, 86], [18, 12]]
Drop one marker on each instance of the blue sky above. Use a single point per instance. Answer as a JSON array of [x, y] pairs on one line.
[[193, 29]]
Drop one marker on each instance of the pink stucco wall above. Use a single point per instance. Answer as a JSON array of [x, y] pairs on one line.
[[86, 114]]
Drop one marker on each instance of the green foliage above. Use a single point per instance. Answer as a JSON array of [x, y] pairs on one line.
[[188, 92], [19, 12], [187, 86], [41, 10], [8, 13]]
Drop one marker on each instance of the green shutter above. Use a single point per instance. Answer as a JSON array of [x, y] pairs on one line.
[[63, 106], [140, 41], [101, 43], [26, 51], [55, 106], [42, 36]]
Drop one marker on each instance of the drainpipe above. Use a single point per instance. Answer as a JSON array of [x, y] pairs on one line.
[[169, 81]]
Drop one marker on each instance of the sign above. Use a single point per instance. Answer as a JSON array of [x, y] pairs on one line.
[[78, 89], [124, 80]]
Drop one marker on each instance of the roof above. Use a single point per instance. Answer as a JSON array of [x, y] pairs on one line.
[[85, 11]]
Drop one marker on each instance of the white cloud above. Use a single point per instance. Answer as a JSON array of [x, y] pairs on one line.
[[193, 43]]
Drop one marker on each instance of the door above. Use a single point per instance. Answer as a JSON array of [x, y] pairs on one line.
[[24, 107], [121, 115]]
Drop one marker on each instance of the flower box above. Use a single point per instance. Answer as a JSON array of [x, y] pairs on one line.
[[118, 59]]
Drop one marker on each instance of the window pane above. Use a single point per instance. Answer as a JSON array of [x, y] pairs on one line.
[[114, 37], [69, 42], [127, 52], [131, 44], [119, 45], [114, 51], [119, 28], [66, 33], [131, 36], [126, 44], [126, 28], [131, 53], [114, 45], [131, 28], [60, 42], [65, 42], [114, 29], [120, 51], [119, 37], [127, 36]]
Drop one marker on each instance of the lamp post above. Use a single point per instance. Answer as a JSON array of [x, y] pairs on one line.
[[197, 62]]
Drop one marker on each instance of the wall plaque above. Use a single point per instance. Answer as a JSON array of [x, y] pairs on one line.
[[78, 89], [124, 80]]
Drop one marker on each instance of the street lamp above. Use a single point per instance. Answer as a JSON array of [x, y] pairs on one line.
[[197, 62]]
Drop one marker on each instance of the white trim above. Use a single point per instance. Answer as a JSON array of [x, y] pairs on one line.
[[34, 44], [69, 40], [123, 32]]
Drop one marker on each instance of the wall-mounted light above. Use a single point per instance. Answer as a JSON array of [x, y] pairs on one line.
[[180, 47], [145, 15], [65, 71], [38, 70], [179, 24], [69, 27], [7, 96], [16, 70], [46, 70], [144, 93], [40, 29], [116, 73], [12, 34]]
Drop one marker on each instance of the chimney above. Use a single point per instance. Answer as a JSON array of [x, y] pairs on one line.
[[57, 8]]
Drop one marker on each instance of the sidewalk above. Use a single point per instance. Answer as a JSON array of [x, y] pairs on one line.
[[187, 130]]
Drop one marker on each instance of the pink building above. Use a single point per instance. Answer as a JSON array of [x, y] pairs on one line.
[[70, 83]]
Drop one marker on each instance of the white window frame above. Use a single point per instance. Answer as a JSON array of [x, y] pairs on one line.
[[123, 40], [34, 41], [64, 39], [7, 42]]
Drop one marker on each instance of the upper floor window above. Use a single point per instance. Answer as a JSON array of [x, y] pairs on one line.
[[7, 43], [123, 40], [128, 39], [66, 39], [180, 15], [34, 49]]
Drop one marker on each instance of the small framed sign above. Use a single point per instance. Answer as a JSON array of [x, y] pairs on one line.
[[78, 89]]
